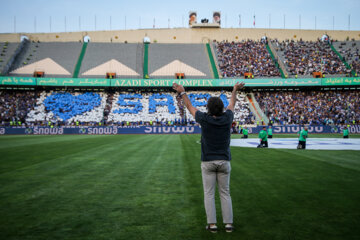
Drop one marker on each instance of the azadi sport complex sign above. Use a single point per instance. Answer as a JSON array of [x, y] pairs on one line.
[[101, 82]]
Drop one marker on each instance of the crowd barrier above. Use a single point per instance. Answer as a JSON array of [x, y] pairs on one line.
[[113, 130]]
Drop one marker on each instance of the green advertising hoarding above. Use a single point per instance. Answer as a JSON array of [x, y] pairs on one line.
[[78, 82], [271, 82], [214, 82], [340, 81], [162, 82], [17, 81], [101, 82]]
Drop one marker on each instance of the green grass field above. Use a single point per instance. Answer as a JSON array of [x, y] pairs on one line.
[[149, 187]]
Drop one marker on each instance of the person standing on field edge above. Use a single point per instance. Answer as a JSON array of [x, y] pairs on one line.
[[302, 138], [263, 138], [245, 132], [346, 132], [215, 153], [270, 132]]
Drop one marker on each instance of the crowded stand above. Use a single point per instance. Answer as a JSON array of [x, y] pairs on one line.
[[350, 52], [238, 58], [313, 107], [57, 108], [306, 57], [64, 108], [15, 105], [164, 108]]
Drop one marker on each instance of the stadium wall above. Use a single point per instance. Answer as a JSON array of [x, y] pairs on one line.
[[183, 35]]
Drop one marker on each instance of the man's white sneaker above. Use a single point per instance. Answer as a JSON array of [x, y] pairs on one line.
[[229, 228], [211, 228]]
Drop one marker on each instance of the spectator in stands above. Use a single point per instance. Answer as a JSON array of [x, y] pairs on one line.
[[38, 109], [236, 59], [350, 53], [304, 57], [14, 105], [314, 107]]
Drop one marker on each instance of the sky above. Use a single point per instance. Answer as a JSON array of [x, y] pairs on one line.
[[31, 16]]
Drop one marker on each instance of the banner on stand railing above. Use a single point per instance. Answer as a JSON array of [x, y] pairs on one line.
[[113, 130]]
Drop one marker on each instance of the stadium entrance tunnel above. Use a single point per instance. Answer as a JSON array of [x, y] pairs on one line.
[[311, 143]]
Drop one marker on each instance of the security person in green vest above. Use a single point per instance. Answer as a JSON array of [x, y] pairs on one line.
[[263, 138], [245, 132], [49, 123], [127, 123], [241, 129], [77, 123], [303, 134], [151, 122], [19, 123], [269, 132], [11, 123], [346, 132]]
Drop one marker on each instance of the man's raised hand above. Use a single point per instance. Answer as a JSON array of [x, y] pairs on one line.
[[178, 88], [239, 86]]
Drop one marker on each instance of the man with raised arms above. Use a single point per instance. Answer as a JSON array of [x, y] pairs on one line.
[[215, 153]]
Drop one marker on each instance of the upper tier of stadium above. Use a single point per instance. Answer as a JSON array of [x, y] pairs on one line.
[[185, 53]]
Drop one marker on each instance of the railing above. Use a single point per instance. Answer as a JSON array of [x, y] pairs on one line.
[[255, 108], [79, 62], [212, 61], [146, 61], [342, 59], [15, 57], [275, 60], [281, 64]]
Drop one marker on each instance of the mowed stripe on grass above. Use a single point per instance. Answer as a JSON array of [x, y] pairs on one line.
[[149, 187]]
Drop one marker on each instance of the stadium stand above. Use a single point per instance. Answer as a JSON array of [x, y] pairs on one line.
[[68, 108], [143, 107], [125, 60], [305, 57], [55, 59], [165, 60], [6, 51], [15, 105], [91, 108], [163, 107], [236, 59], [350, 52], [310, 107]]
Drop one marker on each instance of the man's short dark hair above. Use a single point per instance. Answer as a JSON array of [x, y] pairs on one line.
[[215, 106]]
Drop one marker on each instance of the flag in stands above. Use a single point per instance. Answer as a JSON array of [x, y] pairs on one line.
[[254, 21]]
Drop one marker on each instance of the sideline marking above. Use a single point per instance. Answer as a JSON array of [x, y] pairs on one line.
[[311, 143]]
